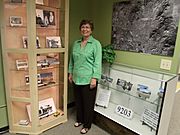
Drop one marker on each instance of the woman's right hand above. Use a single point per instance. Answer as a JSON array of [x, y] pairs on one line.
[[70, 78]]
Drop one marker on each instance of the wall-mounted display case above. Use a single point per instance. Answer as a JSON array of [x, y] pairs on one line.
[[138, 99], [35, 52]]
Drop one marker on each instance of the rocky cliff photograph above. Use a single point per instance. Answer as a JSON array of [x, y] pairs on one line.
[[146, 26]]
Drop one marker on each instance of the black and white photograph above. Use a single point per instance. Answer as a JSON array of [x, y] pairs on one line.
[[16, 21], [53, 42], [50, 17], [39, 17], [121, 83], [45, 18], [25, 42], [22, 64], [147, 26], [46, 108]]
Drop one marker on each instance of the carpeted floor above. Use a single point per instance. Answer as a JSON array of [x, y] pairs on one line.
[[69, 129]]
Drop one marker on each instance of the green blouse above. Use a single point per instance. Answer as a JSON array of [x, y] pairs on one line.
[[85, 62]]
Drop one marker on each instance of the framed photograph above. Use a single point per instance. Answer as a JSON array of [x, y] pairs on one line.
[[41, 2], [50, 16], [121, 83], [16, 1], [38, 79], [46, 108], [16, 21], [25, 42], [42, 61], [45, 18], [47, 78], [39, 17], [22, 64], [53, 42], [53, 61]]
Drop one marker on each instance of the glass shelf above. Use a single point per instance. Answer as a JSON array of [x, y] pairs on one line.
[[26, 87], [153, 101], [154, 75]]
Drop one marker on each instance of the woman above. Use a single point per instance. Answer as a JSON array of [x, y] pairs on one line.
[[84, 72]]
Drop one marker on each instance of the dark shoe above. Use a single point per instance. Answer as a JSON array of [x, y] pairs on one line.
[[84, 130], [77, 124]]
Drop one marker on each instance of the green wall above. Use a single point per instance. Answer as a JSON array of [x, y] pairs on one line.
[[102, 16], [3, 108], [78, 10]]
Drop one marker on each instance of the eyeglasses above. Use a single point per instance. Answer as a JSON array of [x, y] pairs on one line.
[[85, 27]]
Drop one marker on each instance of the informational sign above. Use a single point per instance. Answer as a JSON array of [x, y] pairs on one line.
[[103, 97], [150, 118], [123, 111]]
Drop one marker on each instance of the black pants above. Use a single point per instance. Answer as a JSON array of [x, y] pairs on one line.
[[85, 100]]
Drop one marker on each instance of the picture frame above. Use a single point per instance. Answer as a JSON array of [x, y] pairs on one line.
[[53, 42], [121, 83], [50, 15], [16, 21], [22, 64], [39, 17], [44, 18], [25, 42], [47, 78], [46, 108]]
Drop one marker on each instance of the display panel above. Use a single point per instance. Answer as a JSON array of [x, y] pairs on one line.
[[136, 97]]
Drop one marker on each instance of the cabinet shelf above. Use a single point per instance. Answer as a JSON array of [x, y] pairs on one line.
[[23, 3], [39, 6], [39, 69], [7, 2], [49, 28], [43, 121], [40, 51], [38, 27], [133, 94], [18, 99], [154, 75], [51, 118], [26, 87]]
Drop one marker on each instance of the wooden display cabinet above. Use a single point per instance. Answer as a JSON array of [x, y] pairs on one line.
[[35, 53]]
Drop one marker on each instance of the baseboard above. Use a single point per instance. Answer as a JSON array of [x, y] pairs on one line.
[[4, 129], [110, 126]]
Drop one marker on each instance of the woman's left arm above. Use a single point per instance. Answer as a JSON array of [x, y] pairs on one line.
[[97, 64]]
